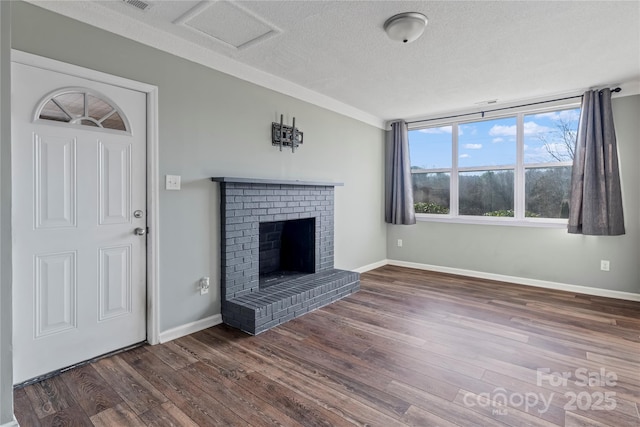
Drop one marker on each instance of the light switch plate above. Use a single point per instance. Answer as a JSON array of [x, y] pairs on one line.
[[172, 182]]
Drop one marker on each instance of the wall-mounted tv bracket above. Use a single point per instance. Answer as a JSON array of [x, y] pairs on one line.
[[287, 136]]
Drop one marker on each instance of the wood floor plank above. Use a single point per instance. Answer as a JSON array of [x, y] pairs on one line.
[[511, 414], [419, 354], [149, 366], [25, 414], [226, 364], [410, 348], [291, 403], [322, 393], [418, 417], [245, 357], [630, 367], [254, 411], [134, 389], [343, 405], [440, 382], [350, 372], [119, 415], [384, 333], [335, 383], [441, 407], [71, 416], [173, 355], [90, 390], [584, 332], [552, 412], [48, 396], [201, 406], [624, 414], [166, 415], [575, 420], [195, 402]]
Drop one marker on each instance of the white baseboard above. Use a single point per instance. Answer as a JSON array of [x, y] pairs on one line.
[[629, 296], [189, 328], [373, 266]]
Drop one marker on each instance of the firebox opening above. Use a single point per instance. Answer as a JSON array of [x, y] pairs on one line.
[[287, 250]]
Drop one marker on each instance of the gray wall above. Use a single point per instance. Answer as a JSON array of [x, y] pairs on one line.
[[6, 355], [212, 124], [542, 253]]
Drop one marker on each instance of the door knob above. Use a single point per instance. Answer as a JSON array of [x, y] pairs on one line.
[[140, 231]]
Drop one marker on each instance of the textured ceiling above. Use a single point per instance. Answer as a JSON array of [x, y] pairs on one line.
[[335, 53]]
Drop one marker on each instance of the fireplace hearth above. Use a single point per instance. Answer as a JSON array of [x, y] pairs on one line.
[[277, 251]]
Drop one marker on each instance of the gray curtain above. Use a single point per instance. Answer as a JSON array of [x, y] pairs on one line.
[[399, 207], [595, 207]]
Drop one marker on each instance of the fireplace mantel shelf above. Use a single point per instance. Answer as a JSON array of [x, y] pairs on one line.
[[275, 181]]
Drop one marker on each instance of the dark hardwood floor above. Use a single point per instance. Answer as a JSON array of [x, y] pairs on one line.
[[411, 348]]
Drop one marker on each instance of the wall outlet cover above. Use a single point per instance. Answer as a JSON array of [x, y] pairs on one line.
[[172, 182], [204, 286]]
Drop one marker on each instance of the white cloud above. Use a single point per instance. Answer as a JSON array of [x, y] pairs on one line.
[[498, 130], [496, 140], [464, 156], [443, 129], [554, 115], [530, 128], [472, 146], [567, 115]]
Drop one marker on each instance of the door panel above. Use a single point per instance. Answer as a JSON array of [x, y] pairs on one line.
[[79, 270], [55, 303], [115, 183], [115, 282], [55, 182]]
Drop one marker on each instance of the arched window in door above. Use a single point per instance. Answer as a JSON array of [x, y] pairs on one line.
[[84, 107]]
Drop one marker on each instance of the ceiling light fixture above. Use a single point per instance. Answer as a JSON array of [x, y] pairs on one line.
[[405, 27]]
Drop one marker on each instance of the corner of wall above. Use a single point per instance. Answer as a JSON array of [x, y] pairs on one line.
[[6, 355]]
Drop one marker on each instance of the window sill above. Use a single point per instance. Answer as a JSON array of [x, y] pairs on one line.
[[501, 221]]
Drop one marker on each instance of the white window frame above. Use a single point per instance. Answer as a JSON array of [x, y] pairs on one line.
[[519, 219], [76, 121]]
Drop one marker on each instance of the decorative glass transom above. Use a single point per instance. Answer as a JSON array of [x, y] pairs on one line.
[[82, 107]]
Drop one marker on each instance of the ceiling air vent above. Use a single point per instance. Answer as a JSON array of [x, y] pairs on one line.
[[139, 4]]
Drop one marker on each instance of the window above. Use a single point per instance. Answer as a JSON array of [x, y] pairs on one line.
[[82, 107], [513, 168]]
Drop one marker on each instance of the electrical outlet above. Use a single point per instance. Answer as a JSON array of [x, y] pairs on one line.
[[204, 285], [604, 265], [172, 182], [399, 243]]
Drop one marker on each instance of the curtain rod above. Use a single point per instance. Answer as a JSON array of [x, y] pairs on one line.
[[503, 108]]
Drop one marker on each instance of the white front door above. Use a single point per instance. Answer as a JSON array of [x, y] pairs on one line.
[[78, 196]]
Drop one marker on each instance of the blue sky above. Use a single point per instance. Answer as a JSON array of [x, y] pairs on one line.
[[492, 142]]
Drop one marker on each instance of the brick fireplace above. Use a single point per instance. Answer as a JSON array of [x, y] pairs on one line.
[[277, 251], [287, 249]]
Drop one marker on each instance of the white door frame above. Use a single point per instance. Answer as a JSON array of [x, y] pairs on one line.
[[153, 184]]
